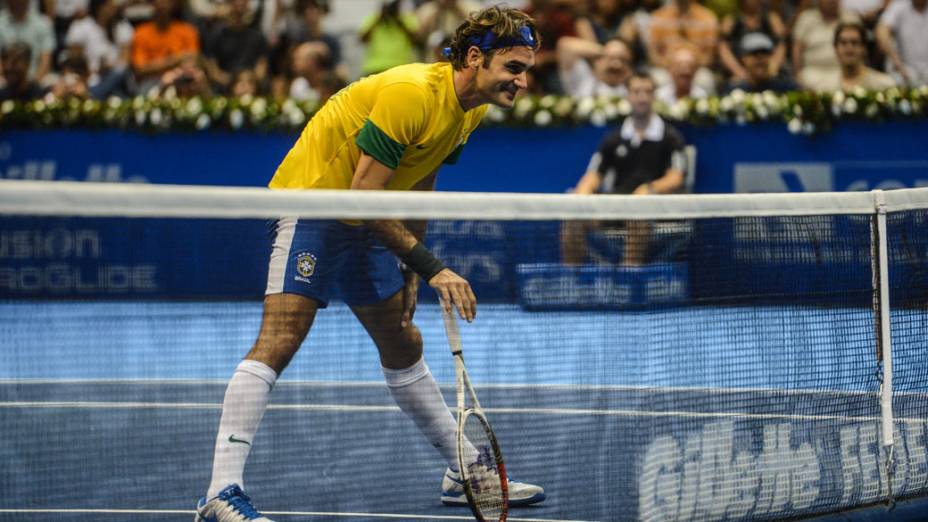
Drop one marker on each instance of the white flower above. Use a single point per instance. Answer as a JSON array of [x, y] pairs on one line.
[[808, 128], [872, 110], [850, 106], [138, 103], [611, 110], [794, 126], [259, 107], [547, 101], [203, 121], [771, 99], [295, 117], [113, 102], [702, 106], [905, 107], [728, 103], [839, 97], [737, 96], [564, 106], [156, 116], [543, 118], [625, 107], [524, 106], [585, 107], [679, 110], [7, 106], [236, 119], [140, 118], [195, 106], [598, 118], [496, 114]]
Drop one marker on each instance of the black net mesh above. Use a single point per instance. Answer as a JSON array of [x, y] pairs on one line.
[[680, 370]]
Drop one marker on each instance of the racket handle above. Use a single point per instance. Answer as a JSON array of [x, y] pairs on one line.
[[451, 329]]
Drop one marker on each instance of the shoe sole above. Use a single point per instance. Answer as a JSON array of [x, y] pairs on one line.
[[462, 500]]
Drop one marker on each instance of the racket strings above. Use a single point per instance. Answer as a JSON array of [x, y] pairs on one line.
[[482, 475]]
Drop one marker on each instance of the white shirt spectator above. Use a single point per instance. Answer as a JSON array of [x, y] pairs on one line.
[[910, 29], [819, 60], [71, 8], [580, 82], [861, 7], [36, 31], [98, 49], [667, 93]]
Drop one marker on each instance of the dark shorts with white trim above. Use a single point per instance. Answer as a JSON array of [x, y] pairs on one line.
[[328, 259]]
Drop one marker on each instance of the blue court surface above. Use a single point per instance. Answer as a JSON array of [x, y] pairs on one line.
[[109, 412]]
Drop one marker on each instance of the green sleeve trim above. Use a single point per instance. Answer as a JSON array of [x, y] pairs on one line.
[[376, 143], [455, 154]]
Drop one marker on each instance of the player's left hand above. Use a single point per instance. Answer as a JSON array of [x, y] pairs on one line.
[[410, 296]]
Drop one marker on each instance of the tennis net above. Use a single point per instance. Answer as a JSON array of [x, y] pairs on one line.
[[656, 358]]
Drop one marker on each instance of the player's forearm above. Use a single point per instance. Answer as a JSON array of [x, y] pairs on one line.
[[416, 227], [393, 234]]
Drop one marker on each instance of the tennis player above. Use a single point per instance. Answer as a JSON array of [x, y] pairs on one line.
[[388, 131]]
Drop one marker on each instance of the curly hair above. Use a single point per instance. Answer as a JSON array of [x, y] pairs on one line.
[[506, 26]]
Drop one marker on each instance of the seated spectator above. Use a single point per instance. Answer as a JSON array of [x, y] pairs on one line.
[[20, 23], [62, 14], [555, 19], [606, 18], [683, 22], [105, 39], [186, 80], [72, 78], [307, 27], [851, 47], [162, 44], [644, 156], [814, 59], [443, 16], [18, 85], [590, 69], [756, 50], [902, 33], [232, 46], [310, 62], [206, 12], [682, 69], [245, 83], [752, 17], [391, 36]]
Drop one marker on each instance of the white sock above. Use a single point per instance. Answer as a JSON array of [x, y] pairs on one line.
[[244, 404], [418, 395]]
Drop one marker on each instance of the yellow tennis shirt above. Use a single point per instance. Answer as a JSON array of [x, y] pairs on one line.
[[408, 118]]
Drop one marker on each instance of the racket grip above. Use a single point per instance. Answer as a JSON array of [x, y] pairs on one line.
[[451, 330]]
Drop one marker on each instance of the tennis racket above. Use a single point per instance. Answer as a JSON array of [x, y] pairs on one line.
[[479, 457]]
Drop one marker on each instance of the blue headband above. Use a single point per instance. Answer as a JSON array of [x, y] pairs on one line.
[[489, 41]]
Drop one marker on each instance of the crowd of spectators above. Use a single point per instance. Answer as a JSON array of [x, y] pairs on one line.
[[280, 48]]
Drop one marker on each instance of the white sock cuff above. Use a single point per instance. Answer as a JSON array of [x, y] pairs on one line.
[[259, 370], [406, 376]]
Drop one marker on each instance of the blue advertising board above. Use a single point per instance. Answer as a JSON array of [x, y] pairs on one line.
[[92, 255]]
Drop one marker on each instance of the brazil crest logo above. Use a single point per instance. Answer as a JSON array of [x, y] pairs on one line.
[[305, 264]]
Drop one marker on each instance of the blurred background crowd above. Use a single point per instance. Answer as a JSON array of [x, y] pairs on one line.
[[309, 49]]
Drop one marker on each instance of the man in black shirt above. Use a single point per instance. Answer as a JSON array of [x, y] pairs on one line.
[[755, 52], [644, 156]]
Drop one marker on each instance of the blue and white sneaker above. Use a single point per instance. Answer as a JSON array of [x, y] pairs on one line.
[[230, 505], [520, 493]]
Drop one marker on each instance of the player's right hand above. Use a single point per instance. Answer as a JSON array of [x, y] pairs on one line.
[[455, 290]]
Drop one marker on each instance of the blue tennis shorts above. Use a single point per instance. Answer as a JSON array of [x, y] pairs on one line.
[[327, 259]]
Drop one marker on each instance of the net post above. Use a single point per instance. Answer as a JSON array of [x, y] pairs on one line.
[[885, 337]]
